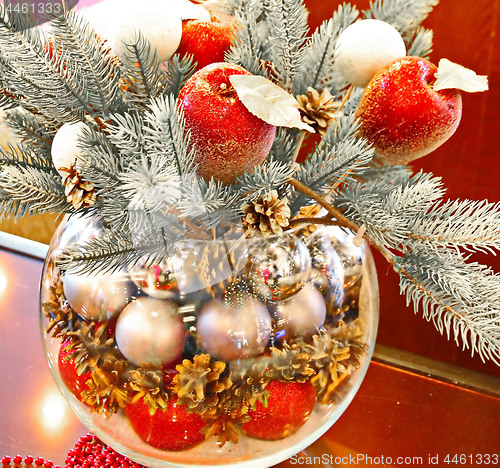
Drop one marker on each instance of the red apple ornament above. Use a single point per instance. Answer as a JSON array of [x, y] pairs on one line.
[[172, 429], [228, 139], [75, 383], [289, 406], [403, 116], [207, 41]]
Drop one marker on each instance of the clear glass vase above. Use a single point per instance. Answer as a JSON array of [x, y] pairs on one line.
[[227, 352]]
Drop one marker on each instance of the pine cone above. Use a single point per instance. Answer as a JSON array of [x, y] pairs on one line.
[[107, 392], [266, 215], [78, 192], [330, 359], [289, 364], [249, 383], [199, 383], [91, 346], [318, 110], [147, 383], [226, 426], [310, 211], [61, 316]]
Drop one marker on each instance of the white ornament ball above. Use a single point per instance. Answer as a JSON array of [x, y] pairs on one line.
[[97, 297], [65, 150], [365, 47], [301, 315], [150, 331], [229, 332], [154, 19]]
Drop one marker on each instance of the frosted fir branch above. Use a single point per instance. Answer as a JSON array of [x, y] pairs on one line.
[[95, 68], [12, 208], [460, 299], [387, 210], [46, 75], [110, 253], [319, 70], [387, 175], [35, 131], [405, 16], [270, 175], [38, 188], [208, 203], [98, 160], [339, 158], [472, 225], [151, 183], [24, 156], [420, 45], [142, 72], [126, 133], [287, 23], [165, 134], [284, 145], [178, 71], [250, 47]]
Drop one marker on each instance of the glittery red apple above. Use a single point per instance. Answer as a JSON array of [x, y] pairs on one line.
[[207, 41], [288, 408], [228, 139], [75, 383], [172, 429], [403, 116]]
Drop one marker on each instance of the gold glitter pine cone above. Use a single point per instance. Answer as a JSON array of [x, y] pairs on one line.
[[267, 215]]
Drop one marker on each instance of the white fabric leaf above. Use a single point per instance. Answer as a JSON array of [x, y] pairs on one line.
[[453, 76], [268, 101]]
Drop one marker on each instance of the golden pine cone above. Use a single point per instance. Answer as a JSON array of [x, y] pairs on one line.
[[289, 364], [147, 383], [199, 383], [318, 110], [267, 215], [80, 193]]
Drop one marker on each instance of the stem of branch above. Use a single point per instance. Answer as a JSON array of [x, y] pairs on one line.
[[341, 218], [325, 221]]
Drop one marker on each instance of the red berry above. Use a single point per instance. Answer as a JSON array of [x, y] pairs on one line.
[[172, 429], [207, 41], [69, 375], [228, 139], [289, 406]]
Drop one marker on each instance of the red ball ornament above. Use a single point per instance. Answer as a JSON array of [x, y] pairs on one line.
[[403, 116], [228, 139], [172, 429], [75, 383], [289, 406]]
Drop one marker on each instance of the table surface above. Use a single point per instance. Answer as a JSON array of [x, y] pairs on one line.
[[399, 416]]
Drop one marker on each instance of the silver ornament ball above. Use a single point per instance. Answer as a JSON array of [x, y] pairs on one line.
[[150, 331], [234, 331], [301, 315]]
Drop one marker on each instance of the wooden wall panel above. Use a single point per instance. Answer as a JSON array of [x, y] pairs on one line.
[[465, 32]]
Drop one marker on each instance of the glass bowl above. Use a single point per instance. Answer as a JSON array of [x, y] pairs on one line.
[[228, 352]]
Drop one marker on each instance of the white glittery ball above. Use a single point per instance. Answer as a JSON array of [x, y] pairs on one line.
[[156, 20], [64, 149], [150, 331], [97, 297], [234, 332], [301, 315], [365, 47]]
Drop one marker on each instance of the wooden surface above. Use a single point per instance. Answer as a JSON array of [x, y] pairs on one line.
[[466, 32]]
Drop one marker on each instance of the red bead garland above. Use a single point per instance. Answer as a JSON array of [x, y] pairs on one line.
[[27, 462], [90, 452]]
